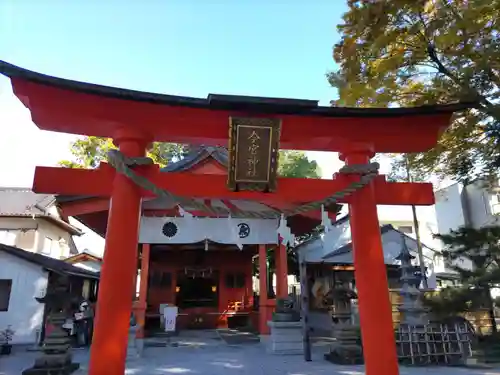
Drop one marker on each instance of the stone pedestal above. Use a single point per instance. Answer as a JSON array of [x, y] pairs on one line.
[[285, 338], [347, 349], [55, 358], [132, 349]]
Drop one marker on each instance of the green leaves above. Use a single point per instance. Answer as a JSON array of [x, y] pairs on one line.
[[88, 152], [474, 254], [297, 164], [416, 52]]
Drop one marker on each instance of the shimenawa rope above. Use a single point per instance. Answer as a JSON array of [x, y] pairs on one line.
[[124, 165]]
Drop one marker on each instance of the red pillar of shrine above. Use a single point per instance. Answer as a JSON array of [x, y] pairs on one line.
[[263, 302], [281, 260], [375, 310], [109, 343]]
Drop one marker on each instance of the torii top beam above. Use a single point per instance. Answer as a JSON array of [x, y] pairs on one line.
[[68, 106]]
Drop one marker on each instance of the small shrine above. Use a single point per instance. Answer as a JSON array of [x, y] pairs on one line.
[[331, 273]]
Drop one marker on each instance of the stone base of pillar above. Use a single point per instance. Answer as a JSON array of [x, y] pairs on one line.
[[285, 338], [132, 347]]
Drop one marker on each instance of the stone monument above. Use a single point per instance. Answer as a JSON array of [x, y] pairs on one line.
[[55, 358], [347, 349], [286, 329]]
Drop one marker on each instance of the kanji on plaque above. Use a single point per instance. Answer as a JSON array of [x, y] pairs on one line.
[[253, 153]]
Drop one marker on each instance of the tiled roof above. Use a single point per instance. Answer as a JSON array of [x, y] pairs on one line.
[[348, 247], [50, 264], [383, 229], [84, 254], [196, 155], [24, 202]]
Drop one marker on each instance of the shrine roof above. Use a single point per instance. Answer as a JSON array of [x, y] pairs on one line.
[[84, 255], [48, 263], [197, 155], [270, 105], [342, 253]]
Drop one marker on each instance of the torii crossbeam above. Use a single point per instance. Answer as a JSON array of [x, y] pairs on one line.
[[99, 183], [134, 119]]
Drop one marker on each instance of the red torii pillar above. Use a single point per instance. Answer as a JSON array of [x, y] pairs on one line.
[[375, 309], [109, 344]]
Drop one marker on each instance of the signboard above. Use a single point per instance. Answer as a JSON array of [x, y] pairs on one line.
[[253, 153], [170, 317]]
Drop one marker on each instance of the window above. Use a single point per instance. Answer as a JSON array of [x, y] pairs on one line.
[[5, 289], [8, 237], [48, 245], [235, 280], [406, 229]]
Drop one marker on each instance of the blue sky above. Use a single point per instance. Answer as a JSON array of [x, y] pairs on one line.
[[180, 47], [189, 47]]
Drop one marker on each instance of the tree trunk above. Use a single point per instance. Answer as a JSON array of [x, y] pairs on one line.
[[417, 230]]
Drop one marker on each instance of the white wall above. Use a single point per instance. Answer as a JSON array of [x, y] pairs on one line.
[[25, 314], [33, 234], [482, 205], [450, 212]]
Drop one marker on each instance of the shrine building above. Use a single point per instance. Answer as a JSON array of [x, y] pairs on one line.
[[203, 265]]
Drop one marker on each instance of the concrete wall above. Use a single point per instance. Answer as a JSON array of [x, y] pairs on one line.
[[35, 234], [450, 211], [483, 206], [24, 314]]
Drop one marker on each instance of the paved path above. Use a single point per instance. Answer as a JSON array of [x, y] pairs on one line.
[[220, 359]]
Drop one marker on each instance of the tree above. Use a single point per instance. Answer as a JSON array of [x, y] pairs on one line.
[[402, 170], [297, 164], [88, 152], [416, 52], [474, 254]]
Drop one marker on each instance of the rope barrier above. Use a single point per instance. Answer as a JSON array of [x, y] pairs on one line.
[[124, 165]]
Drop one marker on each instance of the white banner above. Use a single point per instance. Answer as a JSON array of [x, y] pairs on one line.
[[182, 230], [170, 316]]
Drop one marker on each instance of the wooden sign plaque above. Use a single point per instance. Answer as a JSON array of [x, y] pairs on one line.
[[253, 153]]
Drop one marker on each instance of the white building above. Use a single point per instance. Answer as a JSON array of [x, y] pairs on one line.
[[472, 205], [25, 275], [32, 222], [34, 238]]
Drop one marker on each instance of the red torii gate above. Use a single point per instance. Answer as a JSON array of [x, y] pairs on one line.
[[134, 119]]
